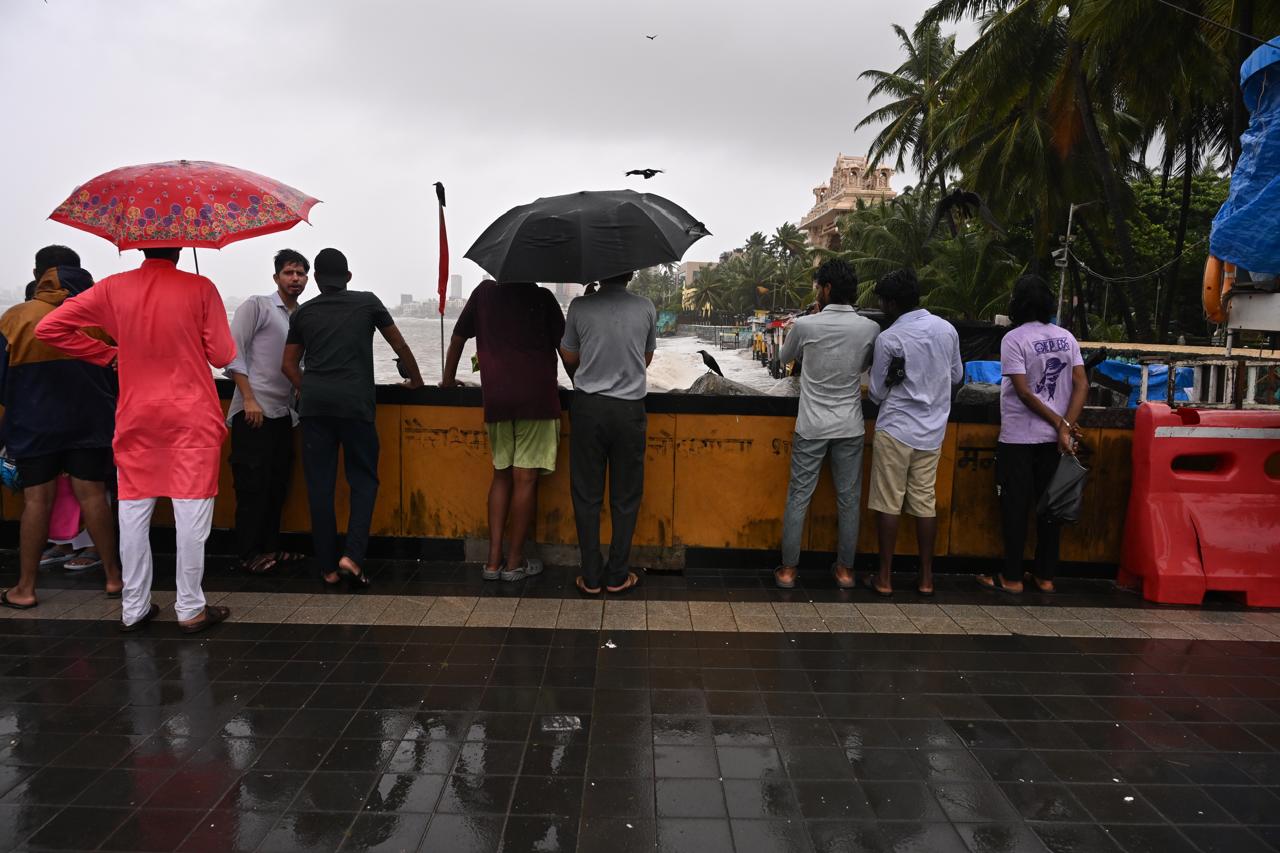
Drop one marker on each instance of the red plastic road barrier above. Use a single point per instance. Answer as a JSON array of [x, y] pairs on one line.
[[1204, 510]]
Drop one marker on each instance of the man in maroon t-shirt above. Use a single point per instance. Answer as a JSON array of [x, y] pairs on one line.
[[517, 327]]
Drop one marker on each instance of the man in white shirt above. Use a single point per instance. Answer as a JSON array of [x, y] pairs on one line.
[[917, 362], [834, 347], [263, 415]]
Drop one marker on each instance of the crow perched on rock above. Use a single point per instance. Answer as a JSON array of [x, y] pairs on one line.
[[711, 363], [644, 173]]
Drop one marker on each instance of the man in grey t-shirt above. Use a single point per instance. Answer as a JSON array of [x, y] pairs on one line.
[[609, 339], [835, 346]]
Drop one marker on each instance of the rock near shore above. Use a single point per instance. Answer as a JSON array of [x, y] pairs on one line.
[[710, 383]]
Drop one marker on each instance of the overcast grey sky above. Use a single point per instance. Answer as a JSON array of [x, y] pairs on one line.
[[365, 104]]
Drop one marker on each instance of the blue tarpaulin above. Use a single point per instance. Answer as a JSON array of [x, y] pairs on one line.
[[1246, 229], [1157, 380], [982, 371]]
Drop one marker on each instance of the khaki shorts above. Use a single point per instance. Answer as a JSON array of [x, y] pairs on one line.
[[902, 478], [525, 444]]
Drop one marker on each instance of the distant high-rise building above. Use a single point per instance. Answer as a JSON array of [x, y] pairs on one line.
[[406, 298], [455, 287]]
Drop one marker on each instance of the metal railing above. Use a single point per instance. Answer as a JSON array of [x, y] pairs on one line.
[[1220, 383]]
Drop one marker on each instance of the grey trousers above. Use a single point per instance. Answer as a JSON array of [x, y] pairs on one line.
[[846, 472], [606, 432]]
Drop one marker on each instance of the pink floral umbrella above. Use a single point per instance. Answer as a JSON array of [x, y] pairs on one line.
[[182, 203]]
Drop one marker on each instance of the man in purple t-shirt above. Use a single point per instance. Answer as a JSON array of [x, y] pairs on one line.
[[1041, 397], [517, 327]]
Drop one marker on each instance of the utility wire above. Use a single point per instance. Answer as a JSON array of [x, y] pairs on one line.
[[1124, 279], [1219, 24]]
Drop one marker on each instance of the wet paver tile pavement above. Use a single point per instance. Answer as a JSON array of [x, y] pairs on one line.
[[413, 593], [289, 735]]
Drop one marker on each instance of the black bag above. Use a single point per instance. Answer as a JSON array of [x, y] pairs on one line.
[[1063, 500]]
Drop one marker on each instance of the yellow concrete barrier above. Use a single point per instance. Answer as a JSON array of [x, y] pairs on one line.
[[711, 481]]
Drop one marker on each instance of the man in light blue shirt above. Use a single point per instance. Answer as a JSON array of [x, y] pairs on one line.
[[834, 347], [917, 362], [263, 414]]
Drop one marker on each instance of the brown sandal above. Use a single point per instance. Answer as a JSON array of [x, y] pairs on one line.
[[262, 564], [212, 616], [632, 581], [996, 582], [1045, 587]]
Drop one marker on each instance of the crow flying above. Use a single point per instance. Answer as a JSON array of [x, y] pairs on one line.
[[650, 38], [711, 363], [644, 173], [965, 203]]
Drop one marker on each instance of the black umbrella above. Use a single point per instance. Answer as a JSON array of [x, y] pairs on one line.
[[585, 236]]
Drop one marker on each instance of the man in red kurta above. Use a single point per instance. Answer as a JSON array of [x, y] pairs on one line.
[[169, 326]]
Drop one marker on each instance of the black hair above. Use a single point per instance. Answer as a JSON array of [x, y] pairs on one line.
[[621, 278], [55, 256], [1032, 300], [289, 256], [901, 287], [163, 253], [843, 280], [31, 291]]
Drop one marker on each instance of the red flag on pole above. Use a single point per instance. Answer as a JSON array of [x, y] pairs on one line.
[[442, 286]]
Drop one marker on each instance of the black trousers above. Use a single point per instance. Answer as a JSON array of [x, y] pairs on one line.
[[321, 438], [261, 462], [1023, 472], [606, 433]]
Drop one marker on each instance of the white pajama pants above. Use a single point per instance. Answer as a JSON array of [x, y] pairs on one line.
[[193, 518]]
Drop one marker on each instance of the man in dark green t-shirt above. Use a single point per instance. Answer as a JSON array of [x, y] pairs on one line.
[[334, 333]]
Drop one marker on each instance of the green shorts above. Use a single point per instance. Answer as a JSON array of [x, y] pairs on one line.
[[525, 444]]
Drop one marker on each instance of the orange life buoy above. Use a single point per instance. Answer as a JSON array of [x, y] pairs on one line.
[[1218, 280]]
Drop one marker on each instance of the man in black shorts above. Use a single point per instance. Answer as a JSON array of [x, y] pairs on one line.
[[59, 416]]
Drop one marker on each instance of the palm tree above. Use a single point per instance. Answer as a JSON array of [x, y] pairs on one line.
[[882, 237], [789, 241], [708, 292], [969, 276], [1083, 103], [910, 121]]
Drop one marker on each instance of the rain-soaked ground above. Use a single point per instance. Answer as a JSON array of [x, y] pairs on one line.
[[711, 713]]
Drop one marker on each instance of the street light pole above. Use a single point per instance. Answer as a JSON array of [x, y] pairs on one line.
[[1066, 255]]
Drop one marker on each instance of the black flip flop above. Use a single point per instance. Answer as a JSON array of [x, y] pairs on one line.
[[5, 602], [780, 584], [115, 594], [141, 623], [923, 593], [868, 582], [585, 590]]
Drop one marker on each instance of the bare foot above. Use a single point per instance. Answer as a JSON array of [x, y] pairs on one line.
[[348, 566]]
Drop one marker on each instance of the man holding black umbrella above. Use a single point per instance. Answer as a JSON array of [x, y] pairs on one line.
[[608, 343]]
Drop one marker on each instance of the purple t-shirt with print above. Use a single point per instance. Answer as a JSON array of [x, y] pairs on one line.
[[1045, 353]]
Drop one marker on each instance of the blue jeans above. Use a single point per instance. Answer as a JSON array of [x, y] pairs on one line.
[[846, 471]]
